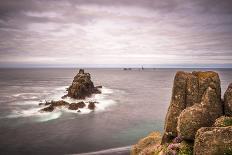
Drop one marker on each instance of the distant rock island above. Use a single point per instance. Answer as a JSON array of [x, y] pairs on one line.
[[81, 87], [198, 121]]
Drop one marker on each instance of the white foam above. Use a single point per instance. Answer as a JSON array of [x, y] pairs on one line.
[[103, 103], [38, 116]]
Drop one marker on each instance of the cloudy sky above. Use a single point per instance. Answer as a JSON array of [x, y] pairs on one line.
[[115, 32]]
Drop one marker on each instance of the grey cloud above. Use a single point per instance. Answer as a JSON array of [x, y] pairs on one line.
[[115, 31]]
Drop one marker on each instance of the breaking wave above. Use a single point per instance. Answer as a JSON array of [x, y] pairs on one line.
[[32, 99]]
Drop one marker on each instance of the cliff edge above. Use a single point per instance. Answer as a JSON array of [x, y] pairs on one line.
[[197, 122]]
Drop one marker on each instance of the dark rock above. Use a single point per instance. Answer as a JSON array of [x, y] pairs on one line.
[[91, 105], [73, 106], [82, 86], [78, 110], [40, 104], [76, 106], [53, 105], [213, 140], [98, 87], [228, 101], [47, 109], [199, 115], [59, 103]]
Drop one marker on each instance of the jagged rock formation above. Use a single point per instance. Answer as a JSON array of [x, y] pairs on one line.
[[194, 122], [188, 89], [228, 101], [82, 86], [199, 115], [51, 106]]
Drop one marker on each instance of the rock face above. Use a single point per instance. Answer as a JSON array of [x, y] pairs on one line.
[[82, 86], [223, 121], [228, 101], [91, 105], [76, 106], [148, 145], [213, 140], [188, 89], [53, 105], [195, 122], [199, 115]]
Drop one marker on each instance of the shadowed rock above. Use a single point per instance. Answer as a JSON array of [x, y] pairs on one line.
[[76, 106], [47, 109], [91, 105], [213, 140], [53, 105], [228, 101]]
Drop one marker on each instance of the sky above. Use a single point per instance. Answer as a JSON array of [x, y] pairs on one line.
[[106, 33]]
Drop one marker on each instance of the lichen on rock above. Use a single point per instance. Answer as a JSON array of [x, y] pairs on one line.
[[188, 90], [213, 140], [228, 101], [197, 121]]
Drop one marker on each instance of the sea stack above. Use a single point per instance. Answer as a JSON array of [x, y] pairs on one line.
[[197, 122], [82, 86]]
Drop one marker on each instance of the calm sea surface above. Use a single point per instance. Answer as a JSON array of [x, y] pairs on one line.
[[133, 104]]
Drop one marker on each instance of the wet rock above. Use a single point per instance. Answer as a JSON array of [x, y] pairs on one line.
[[59, 103], [40, 104], [223, 121], [82, 86], [76, 106], [47, 109], [98, 87], [213, 140], [199, 115], [91, 105], [228, 101], [53, 105]]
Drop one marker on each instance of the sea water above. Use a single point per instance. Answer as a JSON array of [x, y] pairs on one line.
[[133, 103]]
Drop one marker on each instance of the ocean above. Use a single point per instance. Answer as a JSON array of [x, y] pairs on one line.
[[133, 103]]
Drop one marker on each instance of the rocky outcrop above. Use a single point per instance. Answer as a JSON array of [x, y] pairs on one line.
[[91, 105], [194, 122], [223, 121], [82, 86], [148, 145], [213, 140], [53, 105], [188, 89], [76, 106], [228, 101], [199, 115]]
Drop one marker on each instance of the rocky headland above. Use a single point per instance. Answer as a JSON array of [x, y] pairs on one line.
[[81, 87], [198, 120]]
